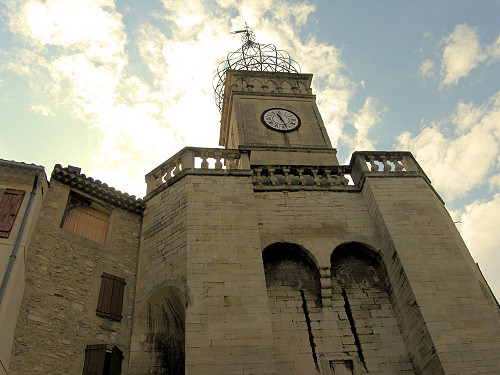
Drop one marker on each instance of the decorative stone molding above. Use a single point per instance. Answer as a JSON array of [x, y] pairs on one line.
[[300, 176]]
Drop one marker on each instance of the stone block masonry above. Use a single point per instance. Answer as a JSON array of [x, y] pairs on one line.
[[58, 312]]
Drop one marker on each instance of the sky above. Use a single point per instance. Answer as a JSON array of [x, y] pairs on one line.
[[117, 87]]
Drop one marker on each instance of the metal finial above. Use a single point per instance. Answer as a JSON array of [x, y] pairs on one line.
[[248, 36]]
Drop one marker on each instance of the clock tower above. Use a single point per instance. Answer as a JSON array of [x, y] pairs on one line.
[[268, 108], [275, 116]]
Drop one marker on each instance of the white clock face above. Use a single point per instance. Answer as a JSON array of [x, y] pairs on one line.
[[281, 120]]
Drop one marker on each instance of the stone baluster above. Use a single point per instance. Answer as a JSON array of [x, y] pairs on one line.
[[258, 176], [373, 166], [288, 180], [232, 163], [316, 179], [177, 167], [204, 162], [218, 163], [166, 172], [343, 180], [272, 177], [301, 176], [387, 166], [329, 180]]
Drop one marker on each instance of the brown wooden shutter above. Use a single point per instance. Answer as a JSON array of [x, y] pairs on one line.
[[9, 207], [115, 367], [95, 356], [86, 222], [110, 301]]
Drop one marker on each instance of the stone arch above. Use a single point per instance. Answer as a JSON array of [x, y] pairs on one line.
[[303, 89], [272, 86], [160, 330], [294, 298], [286, 87], [360, 280], [293, 256]]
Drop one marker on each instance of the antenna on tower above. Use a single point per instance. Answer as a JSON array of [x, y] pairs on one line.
[[251, 56]]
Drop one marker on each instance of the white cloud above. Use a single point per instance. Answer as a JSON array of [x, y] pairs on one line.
[[427, 68], [42, 110], [493, 50], [466, 156], [479, 229], [462, 53], [363, 121], [76, 59]]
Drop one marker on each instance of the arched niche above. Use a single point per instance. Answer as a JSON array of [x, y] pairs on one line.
[[292, 266], [161, 327], [360, 281], [357, 263], [293, 289]]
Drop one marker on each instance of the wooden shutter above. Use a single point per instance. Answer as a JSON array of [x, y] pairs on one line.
[[87, 222], [115, 367], [110, 301], [95, 356], [9, 207]]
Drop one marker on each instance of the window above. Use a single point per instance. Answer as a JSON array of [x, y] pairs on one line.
[[101, 361], [341, 367], [9, 207], [86, 218], [111, 297]]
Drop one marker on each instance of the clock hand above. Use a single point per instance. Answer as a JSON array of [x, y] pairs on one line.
[[281, 118]]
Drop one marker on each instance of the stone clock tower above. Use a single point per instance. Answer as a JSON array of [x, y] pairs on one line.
[[267, 261], [264, 257], [276, 117]]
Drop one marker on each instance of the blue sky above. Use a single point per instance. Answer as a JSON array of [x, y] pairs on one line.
[[117, 87]]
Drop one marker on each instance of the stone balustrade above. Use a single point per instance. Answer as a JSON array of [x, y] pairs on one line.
[[300, 176], [265, 177], [199, 158], [387, 163]]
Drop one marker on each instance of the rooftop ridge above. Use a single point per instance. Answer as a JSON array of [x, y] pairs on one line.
[[72, 177]]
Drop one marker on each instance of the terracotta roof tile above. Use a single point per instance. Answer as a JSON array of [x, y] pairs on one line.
[[72, 177]]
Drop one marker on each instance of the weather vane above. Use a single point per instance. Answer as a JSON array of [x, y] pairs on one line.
[[248, 37]]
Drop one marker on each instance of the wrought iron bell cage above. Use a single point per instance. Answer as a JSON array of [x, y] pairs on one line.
[[251, 56]]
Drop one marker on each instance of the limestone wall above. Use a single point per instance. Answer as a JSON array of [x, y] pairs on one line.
[[354, 328], [228, 328], [161, 284], [436, 276], [63, 275]]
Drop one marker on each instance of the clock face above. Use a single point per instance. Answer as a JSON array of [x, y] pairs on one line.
[[281, 120]]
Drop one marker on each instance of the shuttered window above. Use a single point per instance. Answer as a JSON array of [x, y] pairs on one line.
[[9, 207], [100, 361], [110, 301], [95, 355], [82, 218], [115, 367]]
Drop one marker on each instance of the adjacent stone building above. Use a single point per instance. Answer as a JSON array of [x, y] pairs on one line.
[[262, 257]]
